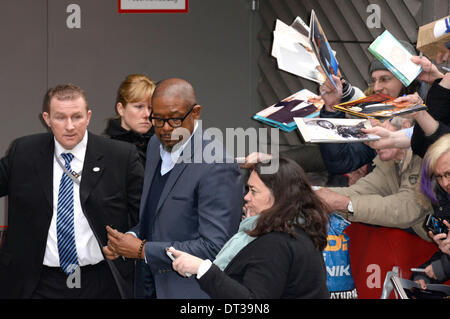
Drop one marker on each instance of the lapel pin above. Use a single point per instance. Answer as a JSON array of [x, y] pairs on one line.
[[75, 174], [96, 169]]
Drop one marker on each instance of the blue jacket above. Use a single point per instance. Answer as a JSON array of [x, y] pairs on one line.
[[200, 208], [342, 158]]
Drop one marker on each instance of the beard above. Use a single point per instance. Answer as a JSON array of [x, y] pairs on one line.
[[168, 148], [172, 141]]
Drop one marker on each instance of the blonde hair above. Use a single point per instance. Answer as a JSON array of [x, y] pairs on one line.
[[135, 88], [434, 152], [397, 122]]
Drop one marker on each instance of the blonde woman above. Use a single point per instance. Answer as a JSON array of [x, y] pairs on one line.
[[435, 186], [133, 106]]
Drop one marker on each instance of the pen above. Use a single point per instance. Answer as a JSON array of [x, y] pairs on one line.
[[445, 69], [417, 269]]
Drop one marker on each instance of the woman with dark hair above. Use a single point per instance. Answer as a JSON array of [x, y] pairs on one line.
[[277, 252]]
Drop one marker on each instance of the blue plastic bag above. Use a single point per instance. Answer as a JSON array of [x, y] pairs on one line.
[[337, 260]]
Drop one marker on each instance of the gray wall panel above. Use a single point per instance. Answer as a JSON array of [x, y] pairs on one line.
[[210, 47], [23, 71]]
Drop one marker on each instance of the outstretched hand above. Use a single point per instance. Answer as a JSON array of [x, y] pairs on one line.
[[335, 201], [430, 273], [410, 99], [442, 240], [388, 138], [255, 157], [430, 72], [330, 94], [185, 263]]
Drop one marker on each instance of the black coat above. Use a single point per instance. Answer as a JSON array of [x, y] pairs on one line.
[[440, 260], [109, 195], [115, 131], [438, 101], [273, 266]]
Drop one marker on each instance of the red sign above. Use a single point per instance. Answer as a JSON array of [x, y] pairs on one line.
[[153, 6]]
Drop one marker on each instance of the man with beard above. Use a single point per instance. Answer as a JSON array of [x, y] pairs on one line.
[[188, 202]]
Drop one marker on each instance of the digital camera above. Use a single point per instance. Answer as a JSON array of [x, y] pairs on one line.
[[435, 225]]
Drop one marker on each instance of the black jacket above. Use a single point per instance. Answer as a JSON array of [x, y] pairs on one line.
[[110, 193], [440, 260], [438, 101], [115, 131], [343, 158], [273, 266]]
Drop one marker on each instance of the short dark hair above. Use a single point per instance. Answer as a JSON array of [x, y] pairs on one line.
[[176, 87], [295, 204], [63, 92]]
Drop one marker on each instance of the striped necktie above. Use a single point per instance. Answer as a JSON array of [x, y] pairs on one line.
[[68, 258]]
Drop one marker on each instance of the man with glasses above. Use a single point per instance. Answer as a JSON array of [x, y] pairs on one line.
[[344, 159], [188, 202]]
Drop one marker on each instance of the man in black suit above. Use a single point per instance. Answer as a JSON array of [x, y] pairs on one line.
[[63, 188]]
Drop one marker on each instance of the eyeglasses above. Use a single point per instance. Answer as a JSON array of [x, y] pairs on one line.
[[382, 80], [173, 121], [446, 175]]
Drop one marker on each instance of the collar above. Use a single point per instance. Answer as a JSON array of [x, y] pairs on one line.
[[169, 159], [405, 161], [78, 151], [114, 129]]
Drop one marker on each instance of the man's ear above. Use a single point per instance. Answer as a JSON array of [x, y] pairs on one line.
[[89, 114], [46, 118], [406, 123], [197, 111]]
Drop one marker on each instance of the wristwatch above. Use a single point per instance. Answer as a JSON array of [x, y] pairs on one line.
[[350, 208]]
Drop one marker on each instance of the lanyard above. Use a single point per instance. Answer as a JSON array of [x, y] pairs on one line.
[[73, 175]]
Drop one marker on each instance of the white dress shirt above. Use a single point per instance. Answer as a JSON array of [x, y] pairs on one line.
[[88, 249], [169, 159]]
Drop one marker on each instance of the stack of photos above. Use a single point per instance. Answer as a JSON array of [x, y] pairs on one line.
[[333, 130], [378, 106], [281, 115]]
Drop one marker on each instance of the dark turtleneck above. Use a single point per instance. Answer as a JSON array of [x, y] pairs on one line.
[[115, 131]]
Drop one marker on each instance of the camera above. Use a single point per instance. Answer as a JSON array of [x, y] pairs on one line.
[[435, 225]]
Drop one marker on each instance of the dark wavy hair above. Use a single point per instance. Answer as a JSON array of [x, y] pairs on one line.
[[295, 204]]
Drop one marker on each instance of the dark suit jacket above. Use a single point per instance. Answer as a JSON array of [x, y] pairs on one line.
[[199, 210], [109, 196]]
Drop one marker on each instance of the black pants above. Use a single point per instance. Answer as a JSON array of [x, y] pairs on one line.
[[144, 285], [93, 282]]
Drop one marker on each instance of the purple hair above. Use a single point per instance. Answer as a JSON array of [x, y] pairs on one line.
[[427, 183]]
